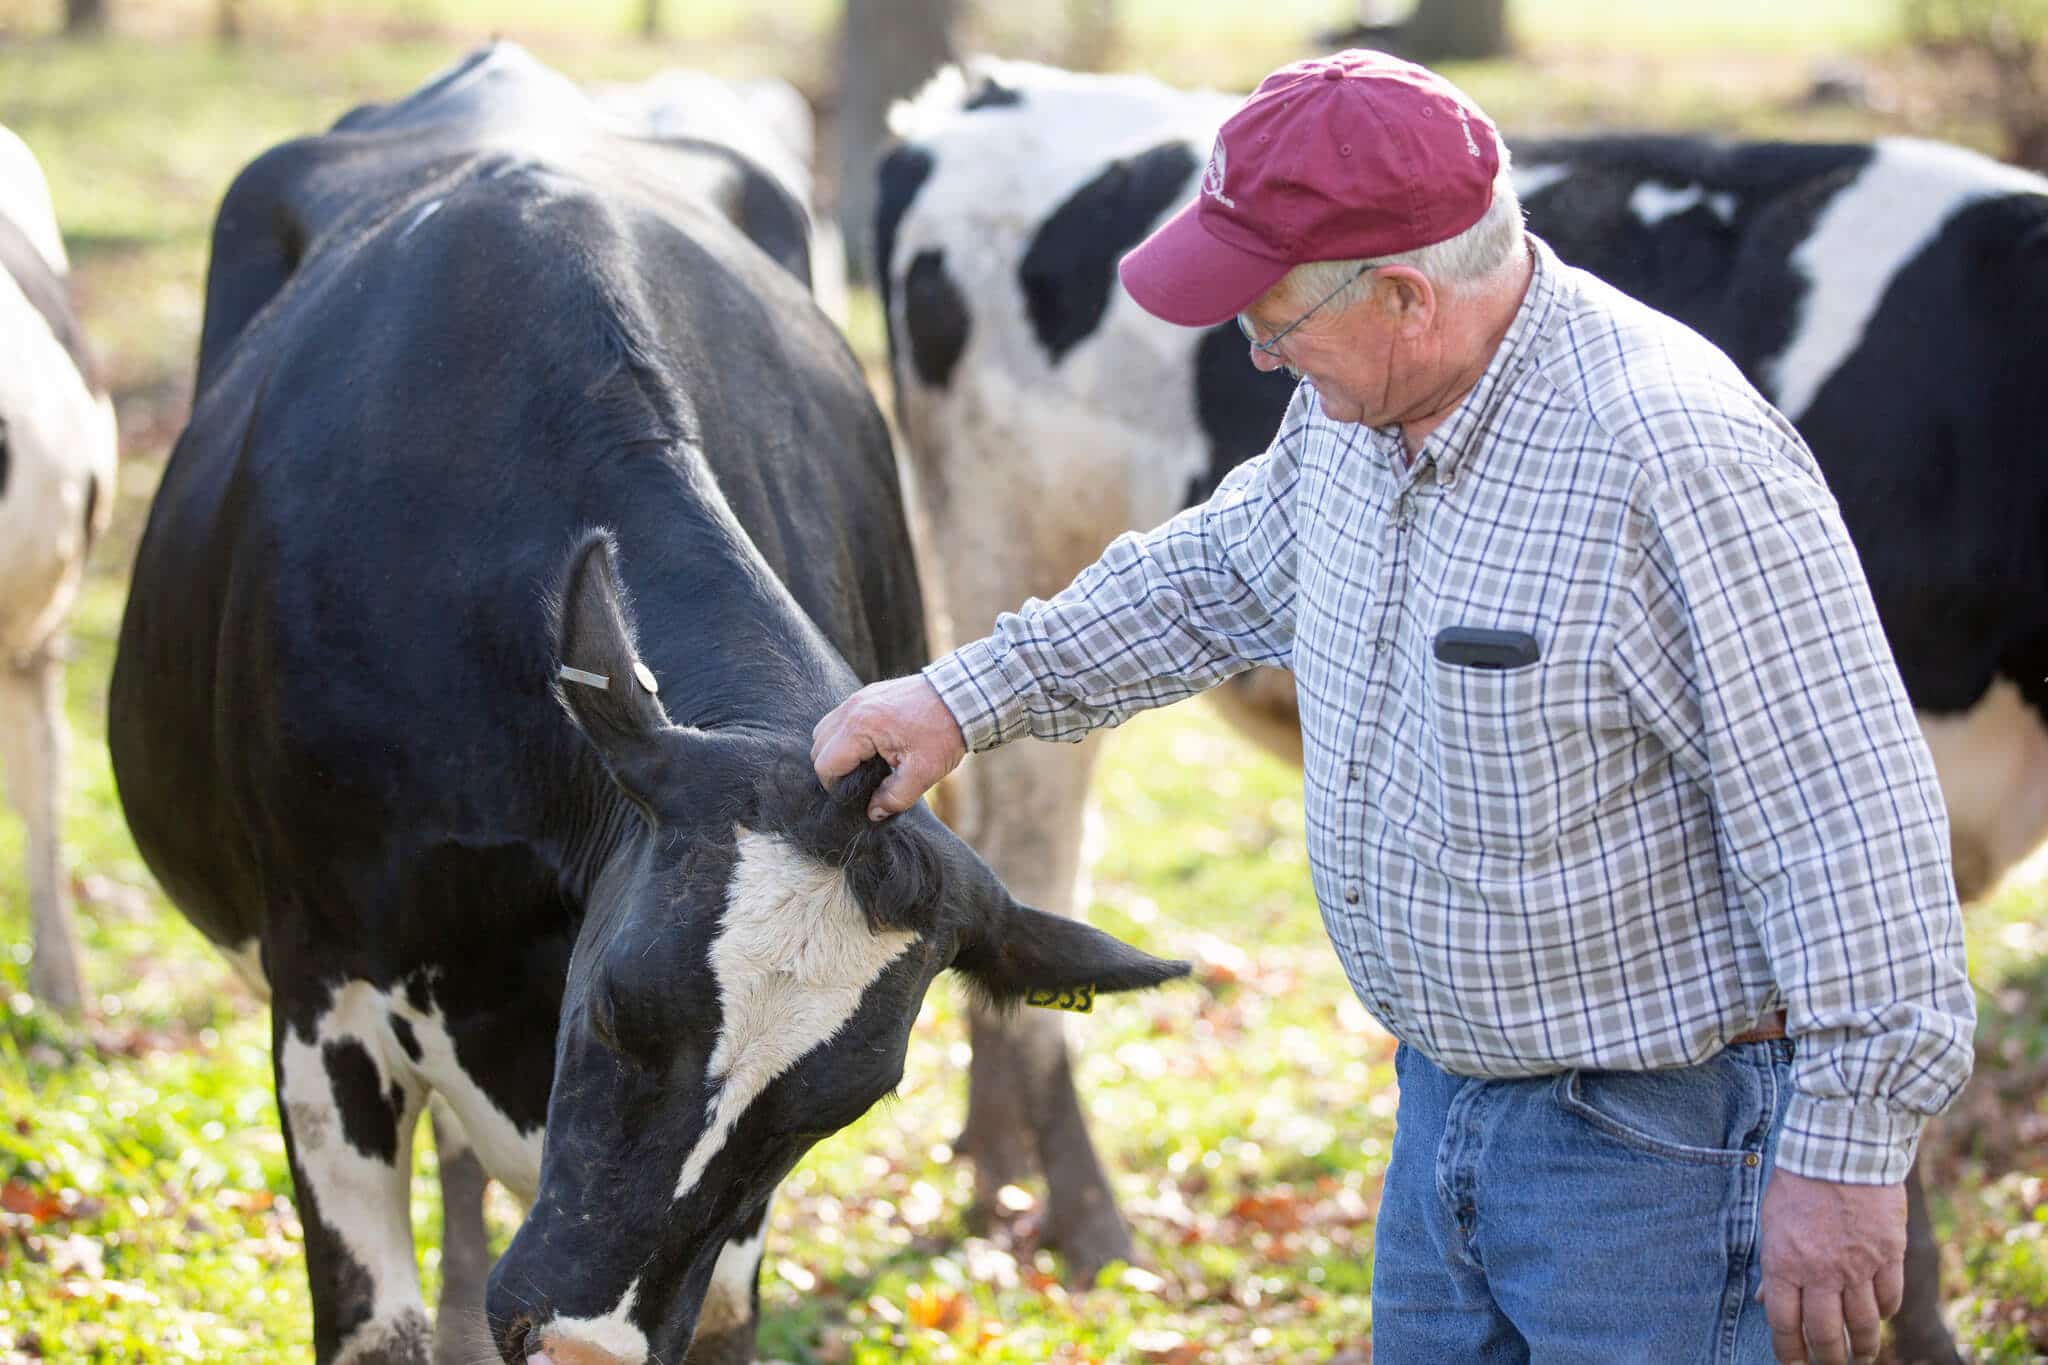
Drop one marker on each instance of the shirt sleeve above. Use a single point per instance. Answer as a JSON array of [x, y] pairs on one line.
[[1160, 616], [1755, 653]]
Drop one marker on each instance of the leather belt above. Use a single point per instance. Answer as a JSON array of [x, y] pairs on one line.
[[1769, 1029]]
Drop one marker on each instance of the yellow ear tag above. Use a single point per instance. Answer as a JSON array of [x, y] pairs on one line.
[[1074, 1000]]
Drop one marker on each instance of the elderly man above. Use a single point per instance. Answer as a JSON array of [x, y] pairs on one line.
[[1618, 815]]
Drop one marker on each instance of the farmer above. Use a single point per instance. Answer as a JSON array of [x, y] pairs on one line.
[[1618, 815]]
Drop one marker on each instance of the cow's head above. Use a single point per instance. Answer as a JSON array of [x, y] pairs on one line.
[[744, 984]]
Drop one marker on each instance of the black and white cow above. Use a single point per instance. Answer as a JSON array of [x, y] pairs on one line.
[[56, 494], [1888, 297], [476, 364]]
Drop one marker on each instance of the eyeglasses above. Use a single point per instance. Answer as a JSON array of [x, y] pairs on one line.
[[1271, 345]]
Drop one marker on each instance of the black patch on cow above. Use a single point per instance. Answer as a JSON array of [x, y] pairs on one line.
[[401, 1029], [7, 459], [1069, 271], [344, 1295], [1239, 405], [1728, 278], [902, 173], [47, 294], [935, 315], [92, 498], [1928, 433], [993, 94], [369, 1118]]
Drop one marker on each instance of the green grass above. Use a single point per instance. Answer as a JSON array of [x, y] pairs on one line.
[[145, 1209]]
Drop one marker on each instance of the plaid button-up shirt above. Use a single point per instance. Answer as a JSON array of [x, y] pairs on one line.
[[1706, 799]]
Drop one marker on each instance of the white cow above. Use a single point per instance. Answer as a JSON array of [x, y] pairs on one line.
[[56, 494]]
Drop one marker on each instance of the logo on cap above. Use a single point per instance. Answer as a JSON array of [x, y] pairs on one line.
[[1465, 125], [1212, 179]]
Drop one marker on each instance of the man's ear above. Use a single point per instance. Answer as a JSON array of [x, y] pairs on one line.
[[1017, 951], [1409, 298]]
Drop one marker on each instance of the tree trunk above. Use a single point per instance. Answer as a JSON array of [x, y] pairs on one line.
[[650, 19], [84, 16], [887, 48], [1434, 31], [1456, 30]]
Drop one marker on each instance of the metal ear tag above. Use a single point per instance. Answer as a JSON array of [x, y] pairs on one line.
[[646, 676], [1074, 1000], [577, 675]]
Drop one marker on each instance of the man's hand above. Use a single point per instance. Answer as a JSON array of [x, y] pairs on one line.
[[904, 721], [1834, 1266]]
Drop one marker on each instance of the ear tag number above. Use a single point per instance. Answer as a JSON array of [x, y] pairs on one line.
[[1074, 999]]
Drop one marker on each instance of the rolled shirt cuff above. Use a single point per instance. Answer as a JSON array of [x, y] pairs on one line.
[[1851, 1143], [985, 701]]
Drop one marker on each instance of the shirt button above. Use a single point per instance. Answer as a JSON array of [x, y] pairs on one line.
[[1352, 772], [1351, 895]]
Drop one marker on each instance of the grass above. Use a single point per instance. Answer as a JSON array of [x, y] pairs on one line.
[[145, 1210]]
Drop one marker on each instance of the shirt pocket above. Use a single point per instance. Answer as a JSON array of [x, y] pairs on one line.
[[1511, 753]]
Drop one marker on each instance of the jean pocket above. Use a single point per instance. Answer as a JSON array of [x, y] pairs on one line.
[[1717, 1113]]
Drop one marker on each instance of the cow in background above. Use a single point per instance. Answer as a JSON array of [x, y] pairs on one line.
[[1888, 297], [56, 495], [529, 516]]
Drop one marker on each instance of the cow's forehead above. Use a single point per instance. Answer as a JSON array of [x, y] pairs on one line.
[[793, 959]]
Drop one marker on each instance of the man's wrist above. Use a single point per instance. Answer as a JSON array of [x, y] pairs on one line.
[[986, 704]]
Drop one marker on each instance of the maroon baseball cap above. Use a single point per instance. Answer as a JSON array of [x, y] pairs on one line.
[[1334, 158]]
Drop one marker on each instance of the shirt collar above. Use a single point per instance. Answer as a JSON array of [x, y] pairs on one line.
[[1463, 432]]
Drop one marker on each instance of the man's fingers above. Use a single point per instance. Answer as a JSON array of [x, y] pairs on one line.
[[843, 751], [1827, 1341], [1782, 1311], [1860, 1317], [1891, 1288], [899, 792]]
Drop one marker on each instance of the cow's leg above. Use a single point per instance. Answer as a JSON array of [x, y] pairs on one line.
[[727, 1323], [1919, 1336], [1023, 810], [348, 1116], [33, 735], [461, 1334]]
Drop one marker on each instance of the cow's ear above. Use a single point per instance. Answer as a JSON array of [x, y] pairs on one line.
[[600, 679], [1020, 955]]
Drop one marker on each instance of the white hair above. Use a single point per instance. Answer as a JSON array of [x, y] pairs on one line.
[[1452, 265]]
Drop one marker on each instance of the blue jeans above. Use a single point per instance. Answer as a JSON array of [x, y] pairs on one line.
[[1597, 1216]]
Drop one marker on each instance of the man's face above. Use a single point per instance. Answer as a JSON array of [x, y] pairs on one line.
[[1360, 357]]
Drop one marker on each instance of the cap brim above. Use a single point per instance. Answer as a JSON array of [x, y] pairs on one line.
[[1184, 275]]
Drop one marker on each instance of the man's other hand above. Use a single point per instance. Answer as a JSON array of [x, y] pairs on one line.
[[904, 721], [1834, 1266]]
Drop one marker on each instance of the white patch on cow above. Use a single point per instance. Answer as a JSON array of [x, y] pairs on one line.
[[247, 961], [1993, 764], [614, 1333], [765, 119], [729, 1302], [511, 1155], [424, 212], [793, 959], [25, 200], [1863, 238], [1533, 180], [363, 1200], [1653, 202], [60, 439], [998, 173]]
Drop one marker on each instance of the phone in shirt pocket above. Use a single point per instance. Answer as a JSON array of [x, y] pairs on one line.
[[1484, 647]]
